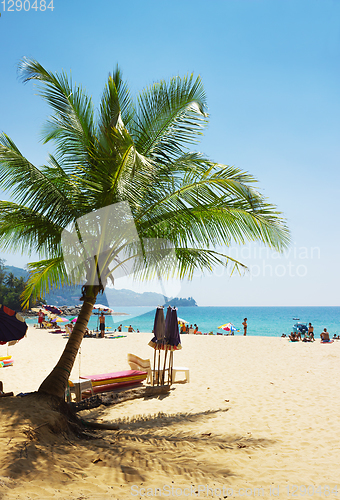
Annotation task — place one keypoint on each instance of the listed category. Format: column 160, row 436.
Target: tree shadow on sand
column 37, row 437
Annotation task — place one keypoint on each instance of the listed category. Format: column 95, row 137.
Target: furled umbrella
column 157, row 342
column 12, row 325
column 172, row 338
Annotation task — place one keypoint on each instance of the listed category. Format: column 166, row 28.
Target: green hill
column 115, row 298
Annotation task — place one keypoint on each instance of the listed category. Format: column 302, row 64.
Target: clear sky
column 271, row 70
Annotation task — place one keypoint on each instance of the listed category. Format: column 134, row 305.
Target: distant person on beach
column 294, row 337
column 245, row 326
column 102, row 325
column 120, row 328
column 130, row 329
column 324, row 335
column 311, row 331
column 41, row 317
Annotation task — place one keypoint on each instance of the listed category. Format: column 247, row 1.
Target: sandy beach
column 260, row 417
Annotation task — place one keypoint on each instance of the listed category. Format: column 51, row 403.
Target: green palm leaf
column 169, row 116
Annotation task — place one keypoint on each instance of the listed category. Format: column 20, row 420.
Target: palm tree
column 133, row 151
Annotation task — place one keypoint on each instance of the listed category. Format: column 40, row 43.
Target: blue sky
column 271, row 71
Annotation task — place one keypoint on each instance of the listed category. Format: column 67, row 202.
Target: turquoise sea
column 262, row 321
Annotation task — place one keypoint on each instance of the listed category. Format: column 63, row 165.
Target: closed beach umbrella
column 12, row 325
column 157, row 342
column 158, row 329
column 172, row 337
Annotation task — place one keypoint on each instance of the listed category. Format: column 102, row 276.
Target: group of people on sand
column 309, row 335
column 130, row 329
column 186, row 328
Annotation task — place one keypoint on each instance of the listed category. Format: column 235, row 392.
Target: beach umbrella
column 172, row 339
column 229, row 327
column 158, row 329
column 58, row 319
column 101, row 307
column 73, row 320
column 12, row 325
column 157, row 342
column 180, row 320
column 53, row 309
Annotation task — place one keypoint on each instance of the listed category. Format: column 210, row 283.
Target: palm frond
column 186, row 261
column 213, row 208
column 25, row 230
column 116, row 107
column 33, row 187
column 71, row 126
column 43, row 276
column 169, row 116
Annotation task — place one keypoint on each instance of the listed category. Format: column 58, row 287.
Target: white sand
column 257, row 413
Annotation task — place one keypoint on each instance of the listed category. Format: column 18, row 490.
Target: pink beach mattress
column 112, row 387
column 127, row 376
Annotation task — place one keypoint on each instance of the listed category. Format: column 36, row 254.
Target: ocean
column 262, row 321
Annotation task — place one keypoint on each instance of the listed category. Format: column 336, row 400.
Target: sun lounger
column 137, row 363
column 106, row 382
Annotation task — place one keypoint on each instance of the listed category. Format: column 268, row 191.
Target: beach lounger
column 106, row 382
column 137, row 363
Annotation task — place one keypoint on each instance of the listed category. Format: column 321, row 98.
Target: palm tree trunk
column 56, row 382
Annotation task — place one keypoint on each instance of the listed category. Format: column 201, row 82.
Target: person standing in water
column 245, row 326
